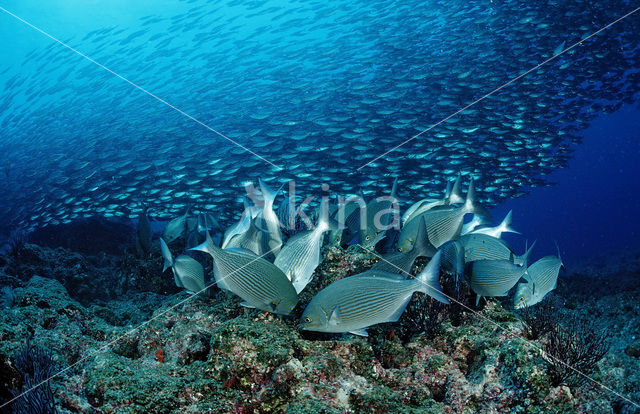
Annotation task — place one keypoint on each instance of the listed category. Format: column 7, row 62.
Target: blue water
column 593, row 209
column 327, row 74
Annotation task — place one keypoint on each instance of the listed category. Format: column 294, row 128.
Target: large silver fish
column 484, row 247
column 402, row 262
column 241, row 226
column 187, row 271
column 301, row 254
column 380, row 214
column 491, row 278
column 443, row 224
column 250, row 239
column 453, row 195
column 259, row 282
column 176, row 228
column 542, row 279
column 354, row 303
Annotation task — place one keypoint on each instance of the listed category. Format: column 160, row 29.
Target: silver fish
column 354, row 303
column 241, row 226
column 259, row 282
column 175, row 228
column 496, row 277
column 402, row 262
column 543, row 278
column 453, row 258
column 453, row 195
column 301, row 254
column 484, row 247
column 443, row 224
column 187, row 271
column 273, row 239
column 249, row 240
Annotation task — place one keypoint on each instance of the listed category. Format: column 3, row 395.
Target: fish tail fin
column 505, row 226
column 453, row 257
column 166, row 253
column 428, row 280
column 394, row 189
column 471, row 204
column 268, row 194
column 455, row 193
column 525, row 256
column 323, row 223
column 422, row 245
column 208, row 246
column 558, row 249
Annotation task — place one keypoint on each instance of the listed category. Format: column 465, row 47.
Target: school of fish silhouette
column 321, row 107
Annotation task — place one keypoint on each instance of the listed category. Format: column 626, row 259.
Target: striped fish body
column 543, row 278
column 175, row 228
column 483, row 247
column 260, row 283
column 273, row 239
column 494, row 277
column 190, row 273
column 420, row 207
column 354, row 303
column 453, row 258
column 402, row 262
column 300, row 256
column 248, row 240
column 409, row 234
column 444, row 224
column 396, row 262
column 240, row 227
column 452, row 196
column 544, row 273
column 187, row 272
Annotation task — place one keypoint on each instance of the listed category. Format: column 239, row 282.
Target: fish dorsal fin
column 335, row 318
column 360, row 332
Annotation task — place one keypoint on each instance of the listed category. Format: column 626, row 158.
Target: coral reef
column 208, row 354
column 35, row 366
column 574, row 349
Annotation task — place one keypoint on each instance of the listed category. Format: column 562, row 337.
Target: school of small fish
column 269, row 269
column 318, row 89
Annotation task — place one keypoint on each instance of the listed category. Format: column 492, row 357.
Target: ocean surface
column 113, row 113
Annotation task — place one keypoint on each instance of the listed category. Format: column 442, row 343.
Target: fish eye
column 400, row 249
column 307, row 319
column 367, row 238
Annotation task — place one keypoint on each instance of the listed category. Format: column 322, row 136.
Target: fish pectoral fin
column 360, row 332
column 246, row 305
column 335, row 318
